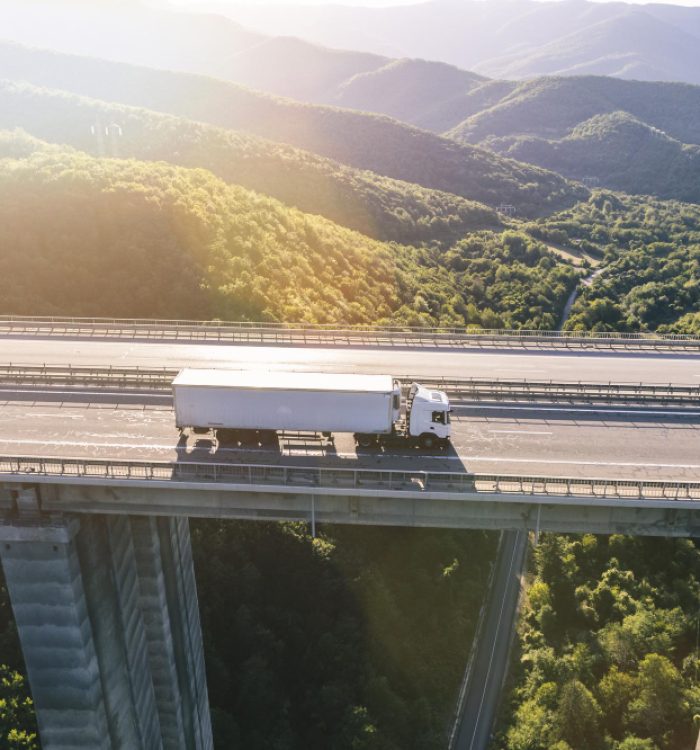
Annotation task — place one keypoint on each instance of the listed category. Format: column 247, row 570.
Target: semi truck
column 254, row 407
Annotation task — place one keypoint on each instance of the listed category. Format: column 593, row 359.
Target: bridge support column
column 49, row 601
column 106, row 610
column 171, row 613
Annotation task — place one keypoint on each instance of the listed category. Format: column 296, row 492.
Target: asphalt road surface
column 425, row 361
column 487, row 438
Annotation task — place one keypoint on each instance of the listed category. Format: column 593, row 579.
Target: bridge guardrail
column 475, row 388
column 318, row 333
column 310, row 477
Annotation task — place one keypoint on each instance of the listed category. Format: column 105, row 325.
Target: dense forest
column 608, row 647
column 358, row 641
column 634, row 136
column 650, row 277
column 80, row 231
column 609, row 149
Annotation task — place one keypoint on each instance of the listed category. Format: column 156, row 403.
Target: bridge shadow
column 339, row 452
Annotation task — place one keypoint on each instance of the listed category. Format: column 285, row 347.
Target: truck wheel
column 268, row 439
column 427, row 441
column 366, row 441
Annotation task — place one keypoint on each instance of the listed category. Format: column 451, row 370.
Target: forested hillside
column 552, row 107
column 424, row 93
column 379, row 144
column 377, row 206
column 608, row 655
column 618, row 151
column 127, row 238
column 649, row 279
column 626, row 135
column 80, row 230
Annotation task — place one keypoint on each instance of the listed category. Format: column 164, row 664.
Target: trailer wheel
column 427, row 441
column 228, row 437
column 248, row 438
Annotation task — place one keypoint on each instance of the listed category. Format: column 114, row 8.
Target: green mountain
column 126, row 238
column 618, row 151
column 364, row 141
column 635, row 136
column 100, row 236
column 649, row 251
column 552, row 107
column 377, row 206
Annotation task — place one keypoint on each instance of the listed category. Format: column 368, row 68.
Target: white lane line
column 519, row 432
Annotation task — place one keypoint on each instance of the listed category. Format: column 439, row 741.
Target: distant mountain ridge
column 504, row 38
column 532, row 120
column 379, row 207
column 637, row 136
column 552, row 106
column 382, row 145
column 618, row 151
column 212, row 45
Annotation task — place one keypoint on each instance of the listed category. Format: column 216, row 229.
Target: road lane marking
column 519, row 432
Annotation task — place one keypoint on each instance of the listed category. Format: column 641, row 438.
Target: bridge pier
column 106, row 610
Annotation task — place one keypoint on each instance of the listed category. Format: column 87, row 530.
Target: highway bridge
column 562, row 433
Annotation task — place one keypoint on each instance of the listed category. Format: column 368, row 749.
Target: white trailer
column 252, row 406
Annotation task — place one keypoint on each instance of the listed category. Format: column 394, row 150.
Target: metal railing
column 485, row 389
column 295, row 478
column 84, row 376
column 319, row 333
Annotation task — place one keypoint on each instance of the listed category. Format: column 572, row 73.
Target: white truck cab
column 428, row 416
